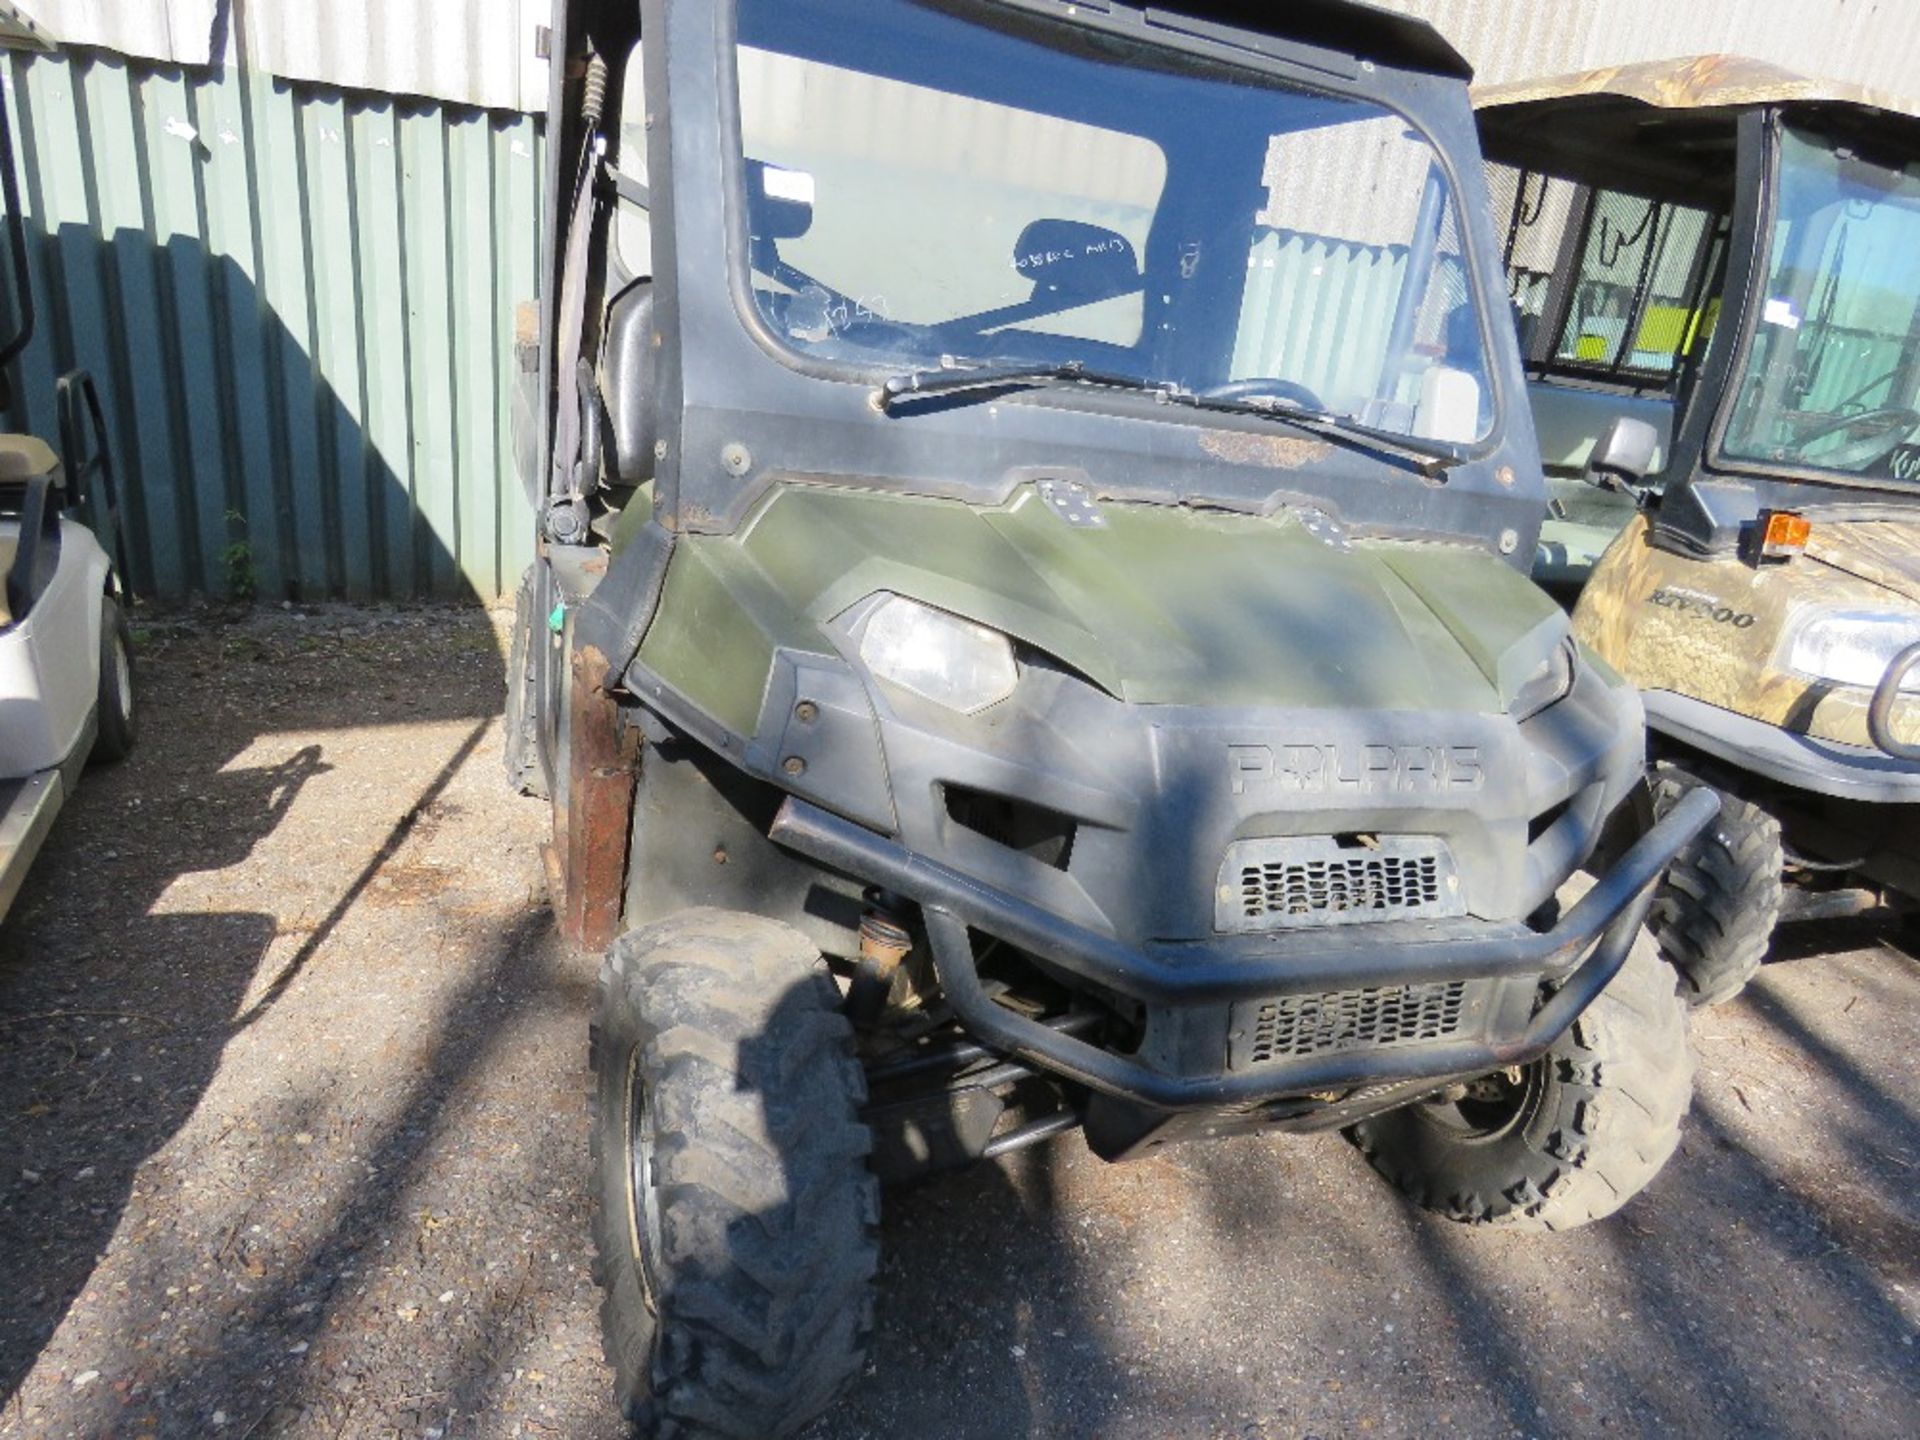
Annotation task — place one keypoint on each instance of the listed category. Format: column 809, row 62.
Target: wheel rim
column 1493, row 1105
column 123, row 677
column 643, row 1191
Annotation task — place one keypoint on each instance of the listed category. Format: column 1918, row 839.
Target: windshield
column 909, row 203
column 1829, row 381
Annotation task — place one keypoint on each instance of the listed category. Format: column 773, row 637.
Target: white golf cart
column 66, row 667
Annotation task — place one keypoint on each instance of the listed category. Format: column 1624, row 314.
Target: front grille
column 1373, row 882
column 1350, row 1020
column 1319, row 880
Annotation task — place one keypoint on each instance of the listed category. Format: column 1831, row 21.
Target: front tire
column 1715, row 911
column 1583, row 1129
column 736, row 1224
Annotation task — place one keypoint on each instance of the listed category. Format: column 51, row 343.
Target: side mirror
column 779, row 202
column 1071, row 262
column 1623, row 454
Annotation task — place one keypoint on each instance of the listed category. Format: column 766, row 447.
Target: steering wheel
column 1272, row 387
column 1883, row 429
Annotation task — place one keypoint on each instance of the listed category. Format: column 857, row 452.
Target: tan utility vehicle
column 1735, row 275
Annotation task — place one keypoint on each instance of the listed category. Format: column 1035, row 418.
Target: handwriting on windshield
column 1046, row 259
column 815, row 313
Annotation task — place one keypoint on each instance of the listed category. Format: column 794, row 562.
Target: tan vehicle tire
column 1564, row 1139
column 1715, row 911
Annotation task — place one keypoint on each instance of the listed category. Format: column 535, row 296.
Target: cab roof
column 1693, row 82
column 1354, row 27
column 1667, row 127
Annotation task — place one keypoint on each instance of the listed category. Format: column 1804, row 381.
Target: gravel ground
column 292, row 1143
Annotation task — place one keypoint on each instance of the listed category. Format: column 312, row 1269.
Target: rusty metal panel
column 298, row 304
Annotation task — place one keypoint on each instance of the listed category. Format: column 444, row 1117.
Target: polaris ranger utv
column 1759, row 303
column 1030, row 630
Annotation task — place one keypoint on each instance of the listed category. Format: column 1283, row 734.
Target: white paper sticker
column 1780, row 312
column 789, row 185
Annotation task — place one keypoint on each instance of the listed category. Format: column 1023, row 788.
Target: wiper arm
column 1001, row 375
column 1334, row 427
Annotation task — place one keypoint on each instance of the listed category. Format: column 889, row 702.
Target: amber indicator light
column 1786, row 533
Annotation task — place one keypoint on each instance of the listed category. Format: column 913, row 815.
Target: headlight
column 1851, row 647
column 1550, row 681
column 955, row 662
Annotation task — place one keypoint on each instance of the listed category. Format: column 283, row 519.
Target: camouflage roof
column 1695, row 82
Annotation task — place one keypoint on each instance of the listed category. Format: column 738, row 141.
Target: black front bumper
column 1579, row 956
column 1822, row 767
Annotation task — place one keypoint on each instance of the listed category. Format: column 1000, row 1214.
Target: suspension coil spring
column 884, row 943
column 593, row 91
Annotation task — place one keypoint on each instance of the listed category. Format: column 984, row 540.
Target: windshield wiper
column 949, row 379
column 998, row 375
column 1338, row 428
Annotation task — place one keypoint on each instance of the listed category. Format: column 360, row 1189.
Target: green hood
column 1158, row 606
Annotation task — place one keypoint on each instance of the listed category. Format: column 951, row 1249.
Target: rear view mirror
column 1623, row 454
column 1071, row 261
column 779, row 202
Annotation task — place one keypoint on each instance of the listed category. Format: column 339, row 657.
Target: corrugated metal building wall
column 298, row 303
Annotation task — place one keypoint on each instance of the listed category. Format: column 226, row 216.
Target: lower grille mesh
column 1356, row 1019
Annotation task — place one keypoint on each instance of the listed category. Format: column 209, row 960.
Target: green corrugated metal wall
column 298, row 305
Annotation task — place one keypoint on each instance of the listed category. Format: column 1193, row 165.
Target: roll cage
column 1705, row 132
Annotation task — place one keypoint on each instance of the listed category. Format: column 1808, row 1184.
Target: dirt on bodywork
column 1712, row 628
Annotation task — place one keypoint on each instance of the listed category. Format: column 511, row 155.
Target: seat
column 629, row 370
column 23, row 457
column 29, row 494
column 1568, row 418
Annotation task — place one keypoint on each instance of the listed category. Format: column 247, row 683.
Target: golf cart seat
column 22, row 457
column 29, row 525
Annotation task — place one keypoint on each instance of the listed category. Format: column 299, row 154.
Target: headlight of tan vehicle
column 1849, row 647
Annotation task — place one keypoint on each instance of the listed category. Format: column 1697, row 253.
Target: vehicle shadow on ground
column 116, row 1002
column 1709, row 1286
column 1009, row 1291
column 980, row 1304
column 282, row 1345
column 116, row 1007
column 94, row 1074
